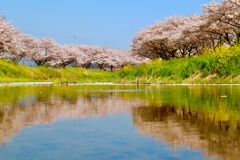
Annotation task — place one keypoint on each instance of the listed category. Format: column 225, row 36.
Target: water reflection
column 187, row 129
column 186, row 117
column 38, row 108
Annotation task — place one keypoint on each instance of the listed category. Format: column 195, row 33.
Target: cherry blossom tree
column 176, row 36
column 224, row 20
column 111, row 58
column 69, row 55
column 159, row 40
column 116, row 58
column 15, row 45
column 83, row 57
column 5, row 34
column 64, row 55
column 48, row 49
column 104, row 57
column 8, row 35
column 191, row 38
column 87, row 55
column 99, row 56
column 179, row 36
column 23, row 46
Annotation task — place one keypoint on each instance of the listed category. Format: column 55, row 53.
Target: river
column 119, row 122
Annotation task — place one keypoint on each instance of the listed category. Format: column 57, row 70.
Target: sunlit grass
column 219, row 65
column 10, row 72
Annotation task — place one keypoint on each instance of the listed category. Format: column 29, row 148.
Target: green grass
column 11, row 72
column 219, row 65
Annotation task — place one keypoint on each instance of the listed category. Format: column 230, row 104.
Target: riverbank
column 214, row 66
column 11, row 72
column 109, row 83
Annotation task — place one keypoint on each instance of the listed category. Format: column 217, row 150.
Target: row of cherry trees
column 14, row 45
column 179, row 36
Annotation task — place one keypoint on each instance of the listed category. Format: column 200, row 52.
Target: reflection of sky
column 109, row 137
column 26, row 101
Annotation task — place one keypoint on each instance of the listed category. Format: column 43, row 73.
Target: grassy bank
column 11, row 72
column 220, row 65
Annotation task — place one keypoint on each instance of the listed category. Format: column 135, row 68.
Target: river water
column 119, row 122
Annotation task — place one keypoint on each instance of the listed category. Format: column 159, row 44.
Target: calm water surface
column 119, row 122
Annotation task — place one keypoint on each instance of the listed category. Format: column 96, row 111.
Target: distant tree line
column 15, row 45
column 179, row 36
column 175, row 37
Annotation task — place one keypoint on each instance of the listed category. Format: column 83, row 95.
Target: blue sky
column 111, row 23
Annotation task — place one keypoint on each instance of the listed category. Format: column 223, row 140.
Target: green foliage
column 11, row 72
column 214, row 66
column 223, row 60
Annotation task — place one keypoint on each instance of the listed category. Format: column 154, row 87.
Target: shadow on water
column 196, row 117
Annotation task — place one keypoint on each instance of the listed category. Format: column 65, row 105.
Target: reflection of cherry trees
column 179, row 126
column 15, row 45
column 30, row 110
column 179, row 36
column 189, row 129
